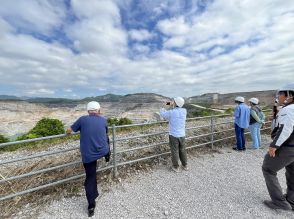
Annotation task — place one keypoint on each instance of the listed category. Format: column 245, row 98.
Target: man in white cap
column 242, row 117
column 94, row 144
column 177, row 123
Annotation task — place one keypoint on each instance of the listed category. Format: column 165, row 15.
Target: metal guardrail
column 211, row 133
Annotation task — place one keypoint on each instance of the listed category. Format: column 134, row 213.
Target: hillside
column 266, row 97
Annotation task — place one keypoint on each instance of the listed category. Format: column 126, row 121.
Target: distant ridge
column 266, row 97
column 9, row 97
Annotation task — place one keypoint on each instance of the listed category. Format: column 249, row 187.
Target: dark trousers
column 91, row 182
column 240, row 137
column 178, row 150
column 271, row 165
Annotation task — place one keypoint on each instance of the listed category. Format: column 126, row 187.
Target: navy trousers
column 240, row 137
column 91, row 182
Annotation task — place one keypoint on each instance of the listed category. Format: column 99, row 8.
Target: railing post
column 212, row 130
column 114, row 150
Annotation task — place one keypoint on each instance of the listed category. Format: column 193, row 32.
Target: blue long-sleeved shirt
column 242, row 115
column 94, row 139
column 177, row 121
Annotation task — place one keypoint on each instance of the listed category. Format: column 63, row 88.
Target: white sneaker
column 186, row 168
column 176, row 169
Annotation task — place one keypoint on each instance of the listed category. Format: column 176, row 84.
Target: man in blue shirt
column 94, row 144
column 242, row 118
column 177, row 122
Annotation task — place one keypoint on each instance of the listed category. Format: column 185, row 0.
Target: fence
column 127, row 146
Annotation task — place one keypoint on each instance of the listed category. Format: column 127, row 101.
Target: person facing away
column 242, row 115
column 176, row 116
column 281, row 153
column 256, row 120
column 94, row 144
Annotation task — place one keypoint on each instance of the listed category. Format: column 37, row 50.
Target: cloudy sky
column 78, row 48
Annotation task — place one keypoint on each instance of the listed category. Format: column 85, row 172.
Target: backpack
column 261, row 115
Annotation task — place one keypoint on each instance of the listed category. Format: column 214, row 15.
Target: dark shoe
column 91, row 212
column 91, row 209
column 237, row 149
column 290, row 202
column 273, row 206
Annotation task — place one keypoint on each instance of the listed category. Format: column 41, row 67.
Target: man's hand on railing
column 68, row 131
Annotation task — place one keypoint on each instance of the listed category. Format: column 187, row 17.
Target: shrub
column 112, row 121
column 3, row 139
column 45, row 127
column 121, row 121
column 124, row 121
column 229, row 111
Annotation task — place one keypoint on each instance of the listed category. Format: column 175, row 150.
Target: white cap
column 240, row 99
column 179, row 101
column 254, row 100
column 93, row 105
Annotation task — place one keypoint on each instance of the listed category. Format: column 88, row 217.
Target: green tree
column 3, row 139
column 44, row 127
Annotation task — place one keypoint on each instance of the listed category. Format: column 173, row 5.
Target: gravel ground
column 228, row 184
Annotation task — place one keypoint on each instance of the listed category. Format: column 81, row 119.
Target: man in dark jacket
column 94, row 144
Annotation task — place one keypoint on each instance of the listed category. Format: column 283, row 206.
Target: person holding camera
column 176, row 116
column 94, row 144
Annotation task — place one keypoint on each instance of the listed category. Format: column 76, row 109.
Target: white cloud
column 98, row 29
column 174, row 26
column 230, row 46
column 33, row 15
column 140, row 35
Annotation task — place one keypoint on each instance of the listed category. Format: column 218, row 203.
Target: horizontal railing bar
column 143, row 147
column 198, row 145
column 196, row 127
column 157, row 155
column 31, row 140
column 141, row 136
column 197, row 136
column 37, row 155
column 141, row 159
column 222, row 123
column 224, row 131
column 39, row 171
column 50, row 184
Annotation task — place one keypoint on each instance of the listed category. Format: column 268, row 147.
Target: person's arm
column 286, row 124
column 75, row 127
column 255, row 116
column 164, row 113
column 237, row 112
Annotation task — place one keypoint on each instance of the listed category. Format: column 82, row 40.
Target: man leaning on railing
column 94, row 144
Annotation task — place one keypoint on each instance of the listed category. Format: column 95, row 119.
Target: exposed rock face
column 18, row 117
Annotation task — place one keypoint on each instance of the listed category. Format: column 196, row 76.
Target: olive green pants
column 178, row 150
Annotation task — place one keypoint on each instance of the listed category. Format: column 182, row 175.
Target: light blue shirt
column 177, row 121
column 242, row 115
